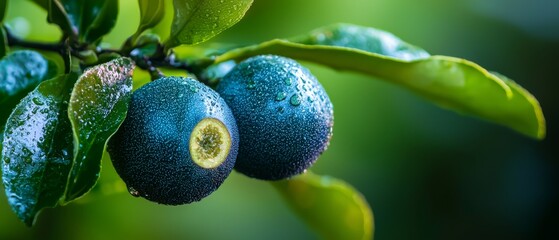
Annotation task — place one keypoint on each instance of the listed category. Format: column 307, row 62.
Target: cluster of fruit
column 268, row 118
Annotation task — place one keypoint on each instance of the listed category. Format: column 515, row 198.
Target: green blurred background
column 427, row 173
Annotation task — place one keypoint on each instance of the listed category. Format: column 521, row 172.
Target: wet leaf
column 21, row 72
column 151, row 13
column 86, row 20
column 363, row 38
column 196, row 21
column 451, row 83
column 97, row 107
column 330, row 206
column 37, row 148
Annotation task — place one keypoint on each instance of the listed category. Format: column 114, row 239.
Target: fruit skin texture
column 284, row 116
column 150, row 151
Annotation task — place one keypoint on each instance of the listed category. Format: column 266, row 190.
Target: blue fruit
column 178, row 142
column 284, row 116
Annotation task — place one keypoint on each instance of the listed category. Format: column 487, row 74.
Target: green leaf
column 3, row 7
column 451, row 83
column 362, row 38
column 86, row 20
column 37, row 148
column 151, row 13
column 42, row 3
column 21, row 72
column 330, row 206
column 97, row 107
column 3, row 43
column 196, row 21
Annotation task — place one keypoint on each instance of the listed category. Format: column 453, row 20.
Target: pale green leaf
column 330, row 206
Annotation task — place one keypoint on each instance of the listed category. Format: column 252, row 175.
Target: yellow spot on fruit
column 210, row 143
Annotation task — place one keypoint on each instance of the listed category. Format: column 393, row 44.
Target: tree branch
column 15, row 41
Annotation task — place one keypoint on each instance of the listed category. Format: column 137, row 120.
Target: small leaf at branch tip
column 198, row 21
column 87, row 21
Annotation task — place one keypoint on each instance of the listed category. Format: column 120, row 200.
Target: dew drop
column 65, row 153
column 37, row 101
column 133, row 192
column 281, row 96
column 251, row 84
column 288, row 81
column 294, row 100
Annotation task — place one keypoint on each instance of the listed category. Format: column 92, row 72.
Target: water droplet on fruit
column 251, row 84
column 194, row 89
column 294, row 100
column 288, row 81
column 281, row 96
column 133, row 192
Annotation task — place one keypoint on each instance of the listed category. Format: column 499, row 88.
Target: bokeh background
column 428, row 173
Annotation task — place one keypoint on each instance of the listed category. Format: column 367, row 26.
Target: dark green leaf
column 196, row 21
column 452, row 83
column 98, row 106
column 3, row 7
column 330, row 206
column 3, row 43
column 102, row 18
column 21, row 72
column 151, row 12
column 58, row 15
column 37, row 153
column 87, row 20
